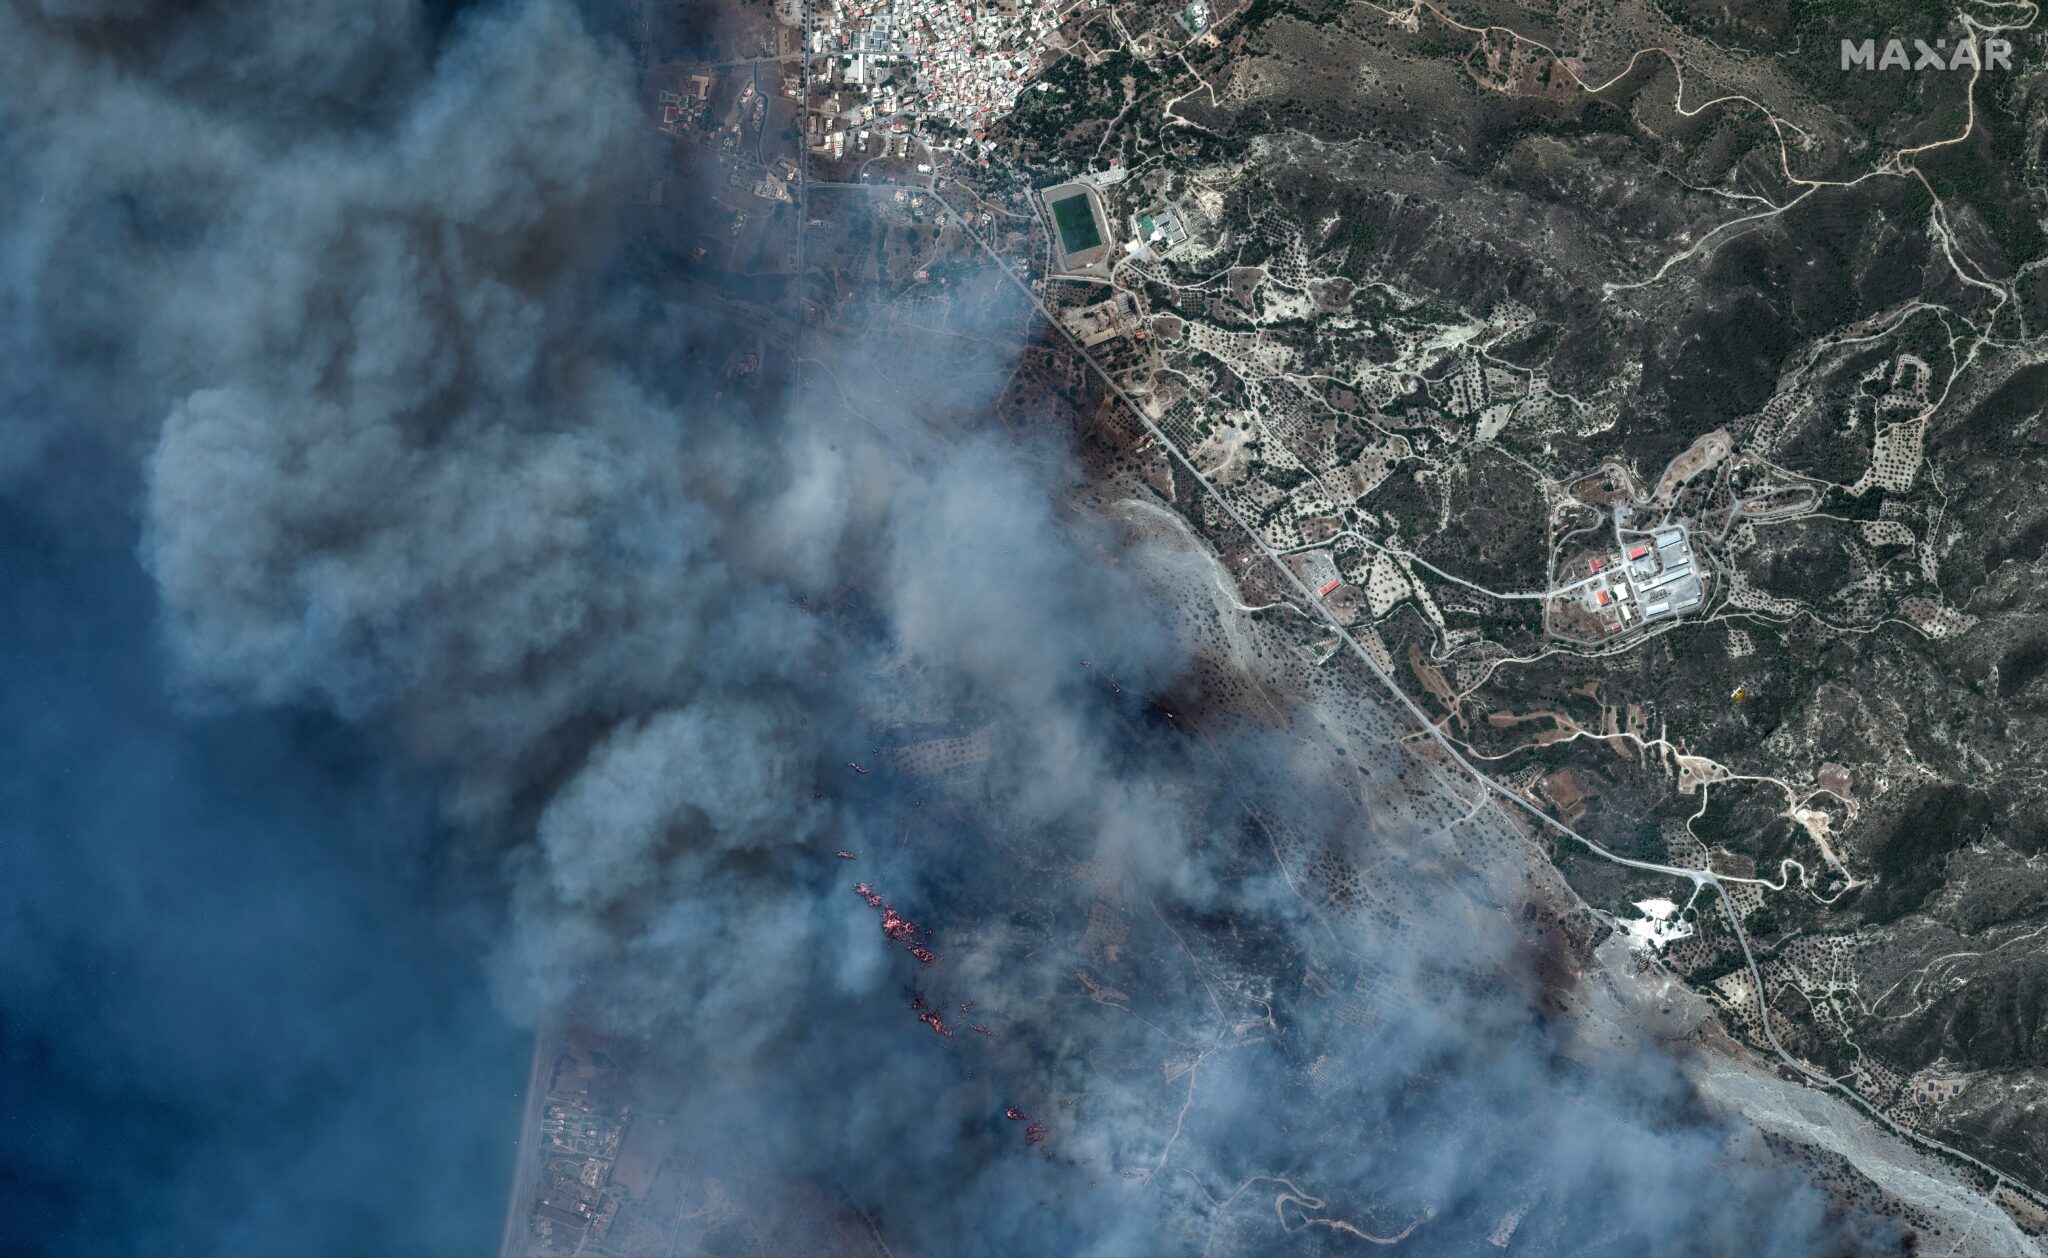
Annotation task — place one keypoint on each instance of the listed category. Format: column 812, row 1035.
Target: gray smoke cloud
column 416, row 452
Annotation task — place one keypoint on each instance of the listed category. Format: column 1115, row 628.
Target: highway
column 1698, row 877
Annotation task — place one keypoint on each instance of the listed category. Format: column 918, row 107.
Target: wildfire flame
column 927, row 1015
column 895, row 925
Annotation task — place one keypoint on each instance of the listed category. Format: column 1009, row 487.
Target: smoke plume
column 420, row 460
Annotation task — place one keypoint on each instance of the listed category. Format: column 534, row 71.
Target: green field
column 1077, row 224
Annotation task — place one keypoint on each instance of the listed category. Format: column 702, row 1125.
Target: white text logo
column 1996, row 55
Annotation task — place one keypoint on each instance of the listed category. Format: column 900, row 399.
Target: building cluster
column 679, row 110
column 1653, row 576
column 581, row 1127
column 966, row 63
column 1156, row 231
column 847, row 117
column 1113, row 317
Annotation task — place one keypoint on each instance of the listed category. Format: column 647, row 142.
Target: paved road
column 1698, row 877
